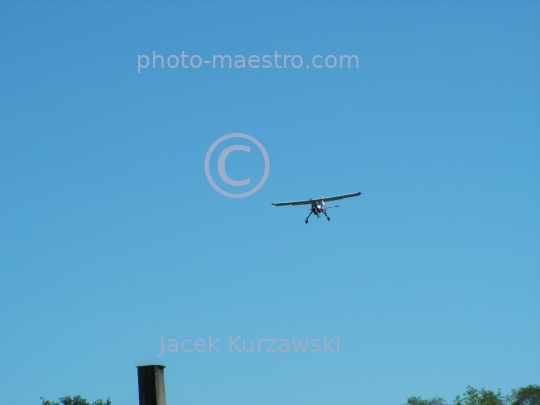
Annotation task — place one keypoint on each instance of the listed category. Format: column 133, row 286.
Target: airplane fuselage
column 317, row 207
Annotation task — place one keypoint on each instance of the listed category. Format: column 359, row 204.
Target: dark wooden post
column 151, row 385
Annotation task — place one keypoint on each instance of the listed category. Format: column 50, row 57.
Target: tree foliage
column 420, row 401
column 76, row 400
column 529, row 395
column 480, row 397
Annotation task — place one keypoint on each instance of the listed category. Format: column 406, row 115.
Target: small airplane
column 318, row 206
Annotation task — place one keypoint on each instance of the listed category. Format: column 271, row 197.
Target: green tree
column 76, row 400
column 480, row 397
column 420, row 401
column 529, row 395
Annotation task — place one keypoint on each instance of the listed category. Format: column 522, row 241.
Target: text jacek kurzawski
column 239, row 344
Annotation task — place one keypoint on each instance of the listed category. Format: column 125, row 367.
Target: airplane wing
column 337, row 197
column 293, row 203
column 341, row 197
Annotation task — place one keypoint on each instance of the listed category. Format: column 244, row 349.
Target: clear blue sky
column 111, row 236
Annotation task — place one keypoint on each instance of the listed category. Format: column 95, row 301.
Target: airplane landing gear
column 310, row 212
column 327, row 217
